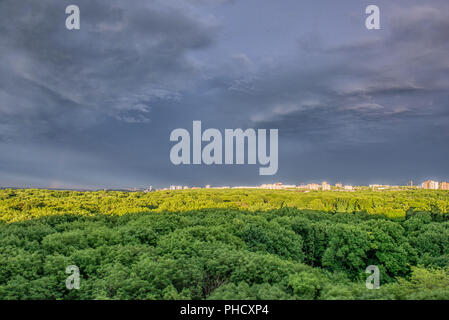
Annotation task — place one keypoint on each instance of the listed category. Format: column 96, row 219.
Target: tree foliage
column 223, row 244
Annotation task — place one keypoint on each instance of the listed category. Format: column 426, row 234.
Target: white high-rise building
column 434, row 184
column 430, row 184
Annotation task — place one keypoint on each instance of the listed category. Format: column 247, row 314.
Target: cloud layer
column 94, row 107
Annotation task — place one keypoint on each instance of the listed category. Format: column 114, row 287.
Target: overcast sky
column 94, row 107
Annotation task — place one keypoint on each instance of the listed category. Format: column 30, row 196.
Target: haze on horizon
column 94, row 108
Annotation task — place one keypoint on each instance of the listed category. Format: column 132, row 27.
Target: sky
column 94, row 108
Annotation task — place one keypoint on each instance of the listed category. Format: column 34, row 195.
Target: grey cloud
column 122, row 57
column 95, row 107
column 380, row 71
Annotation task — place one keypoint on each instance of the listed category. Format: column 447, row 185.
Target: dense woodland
column 224, row 244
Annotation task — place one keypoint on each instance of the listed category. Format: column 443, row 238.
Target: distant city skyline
column 94, row 108
column 323, row 186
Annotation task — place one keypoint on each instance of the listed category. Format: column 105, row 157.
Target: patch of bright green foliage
column 224, row 244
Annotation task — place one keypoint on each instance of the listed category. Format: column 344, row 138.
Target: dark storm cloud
column 379, row 83
column 69, row 99
column 95, row 107
column 365, row 97
column 122, row 60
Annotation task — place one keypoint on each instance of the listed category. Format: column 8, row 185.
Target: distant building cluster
column 382, row 187
column 324, row 186
column 277, row 185
column 435, row 185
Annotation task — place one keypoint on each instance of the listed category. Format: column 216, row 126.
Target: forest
column 224, row 244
